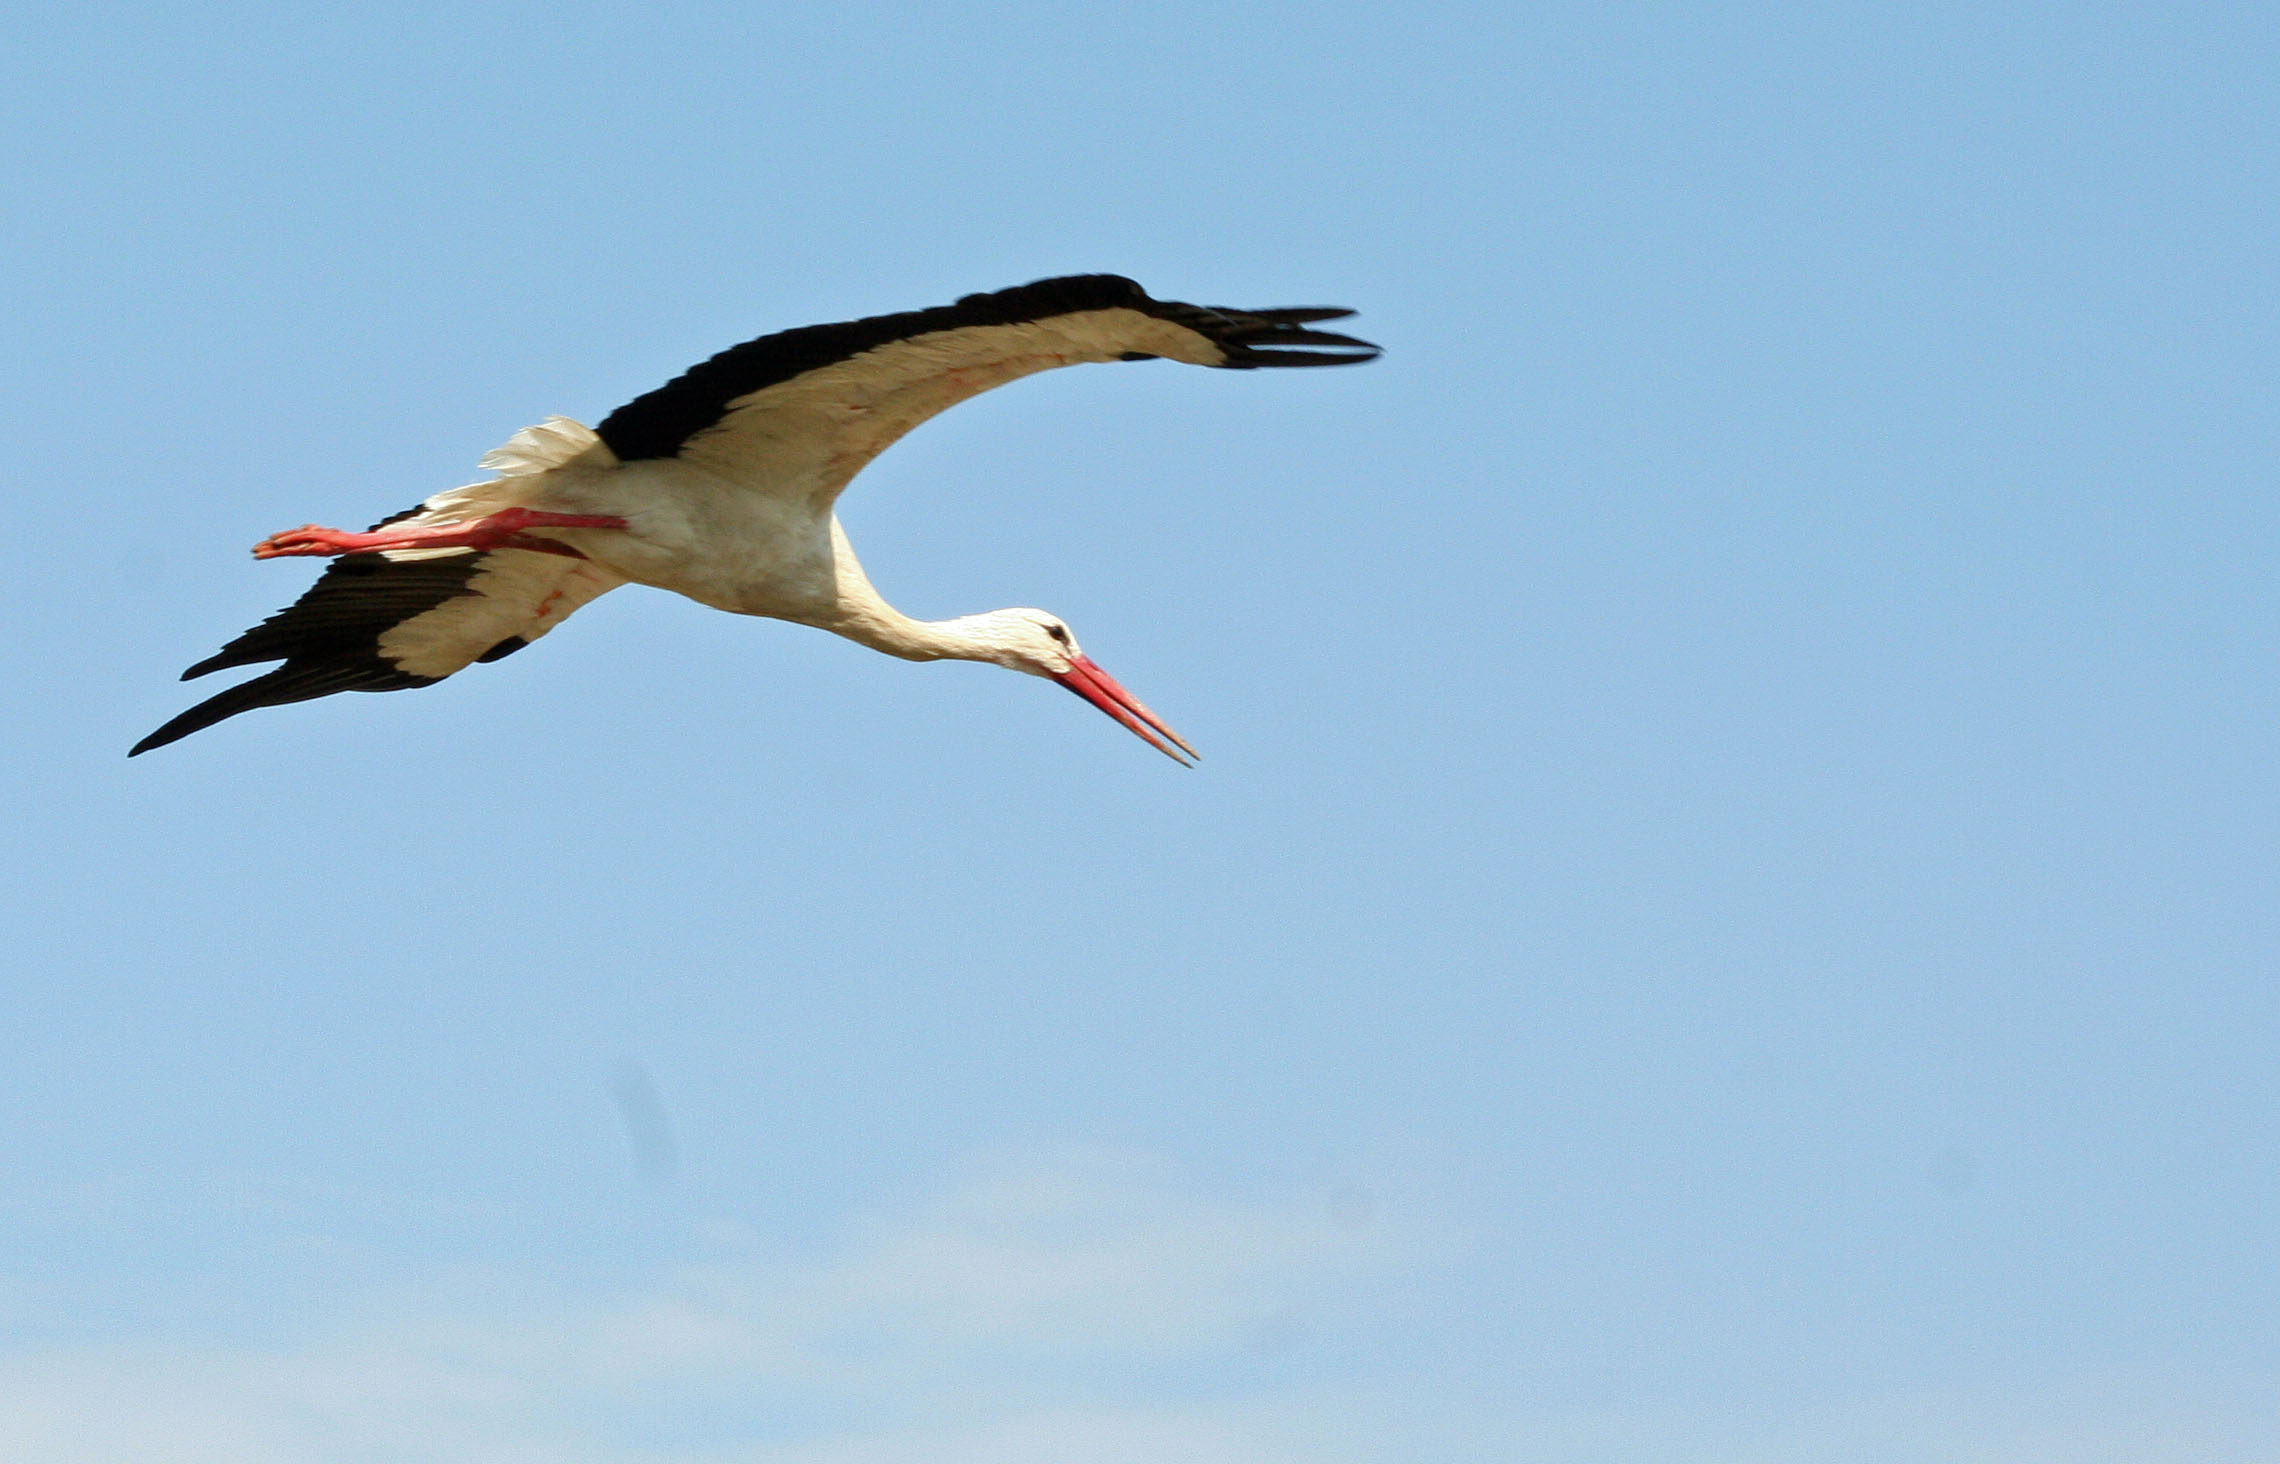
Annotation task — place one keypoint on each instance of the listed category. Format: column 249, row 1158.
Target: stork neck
column 863, row 615
column 884, row 628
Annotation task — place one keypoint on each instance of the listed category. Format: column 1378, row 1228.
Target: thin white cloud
column 1089, row 1257
column 1030, row 1317
column 1063, row 1436
column 985, row 1324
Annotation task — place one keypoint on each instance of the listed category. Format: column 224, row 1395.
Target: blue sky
column 1729, row 909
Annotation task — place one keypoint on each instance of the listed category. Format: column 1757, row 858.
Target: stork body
column 720, row 486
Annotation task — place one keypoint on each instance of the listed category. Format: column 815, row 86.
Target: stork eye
column 1059, row 633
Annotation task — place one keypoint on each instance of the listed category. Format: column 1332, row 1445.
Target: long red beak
column 1100, row 688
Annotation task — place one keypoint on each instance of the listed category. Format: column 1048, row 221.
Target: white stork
column 720, row 485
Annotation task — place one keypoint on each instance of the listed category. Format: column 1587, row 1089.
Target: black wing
column 375, row 623
column 958, row 338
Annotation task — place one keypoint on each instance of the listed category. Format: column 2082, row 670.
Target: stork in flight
column 719, row 485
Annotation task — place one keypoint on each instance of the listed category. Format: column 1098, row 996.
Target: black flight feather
column 329, row 639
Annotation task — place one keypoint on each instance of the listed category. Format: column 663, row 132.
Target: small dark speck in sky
column 647, row 1127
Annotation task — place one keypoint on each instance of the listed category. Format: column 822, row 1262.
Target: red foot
column 501, row 530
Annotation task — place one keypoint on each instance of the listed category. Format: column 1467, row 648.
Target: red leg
column 502, row 530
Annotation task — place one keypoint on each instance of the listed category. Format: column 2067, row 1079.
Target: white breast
column 693, row 532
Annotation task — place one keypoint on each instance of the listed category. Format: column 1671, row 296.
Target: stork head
column 1039, row 643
